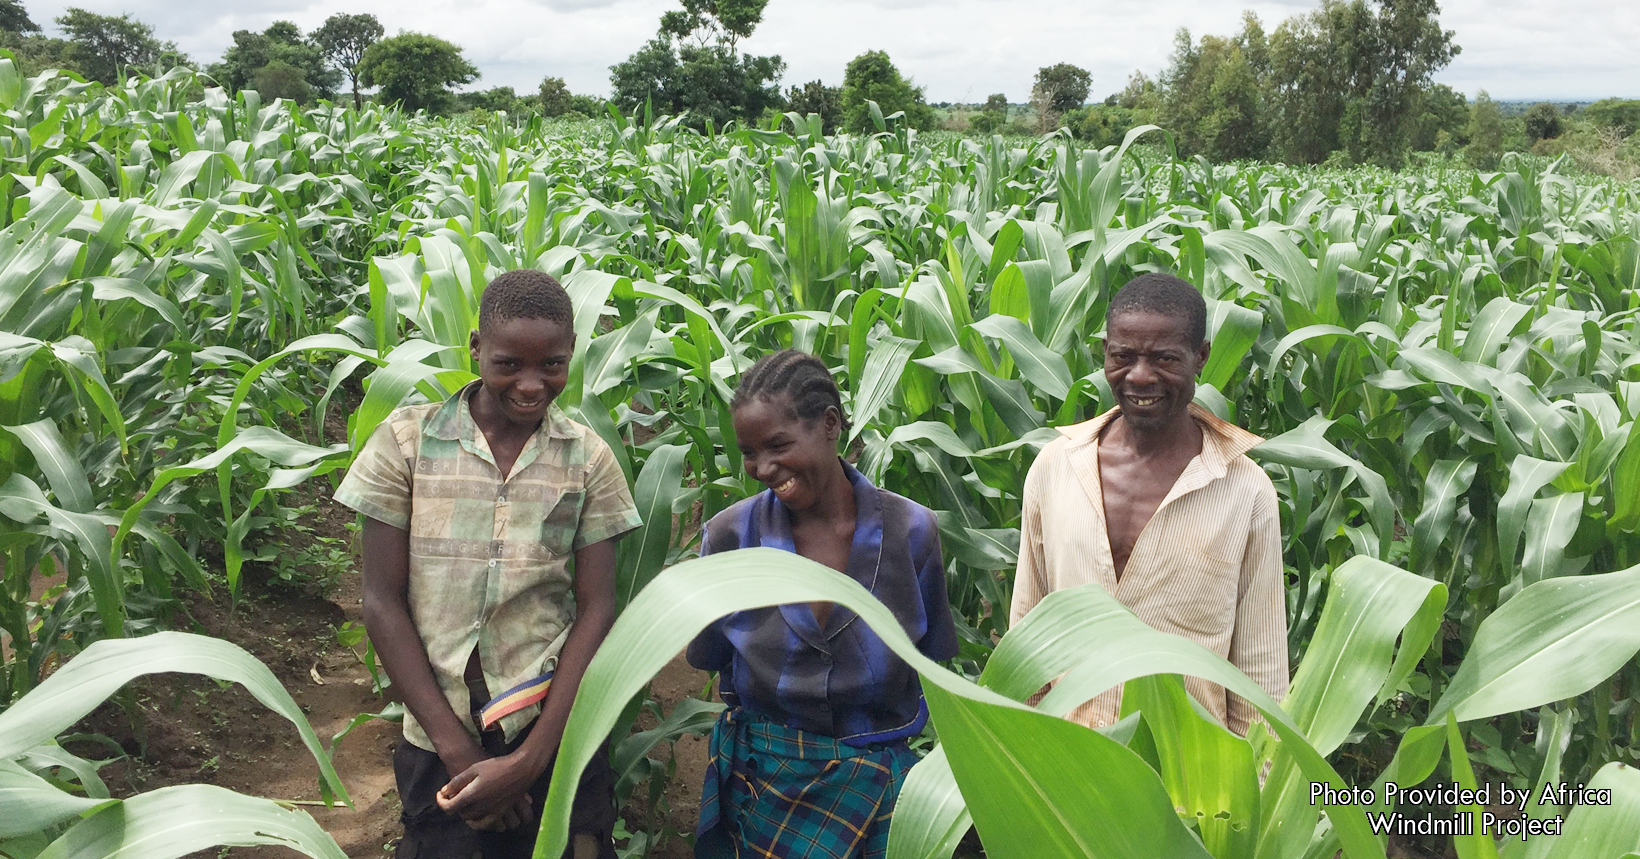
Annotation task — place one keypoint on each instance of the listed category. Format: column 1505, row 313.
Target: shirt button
column 493, row 562
column 825, row 657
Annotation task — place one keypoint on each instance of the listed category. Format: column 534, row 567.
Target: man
column 1157, row 502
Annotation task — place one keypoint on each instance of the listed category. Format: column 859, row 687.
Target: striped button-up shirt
column 839, row 680
column 489, row 554
column 1207, row 566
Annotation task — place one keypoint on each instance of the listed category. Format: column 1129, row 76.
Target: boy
column 473, row 508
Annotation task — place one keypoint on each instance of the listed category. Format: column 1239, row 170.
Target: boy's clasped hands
column 489, row 793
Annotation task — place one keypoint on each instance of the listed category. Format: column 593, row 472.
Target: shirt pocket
column 1201, row 599
column 562, row 521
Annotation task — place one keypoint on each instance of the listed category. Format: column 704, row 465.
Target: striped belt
column 529, row 692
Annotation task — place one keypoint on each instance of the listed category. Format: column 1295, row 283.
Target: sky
column 958, row 50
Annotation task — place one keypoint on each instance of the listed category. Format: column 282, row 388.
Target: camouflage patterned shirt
column 489, row 555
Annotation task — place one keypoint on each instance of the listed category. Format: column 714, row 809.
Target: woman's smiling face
column 795, row 458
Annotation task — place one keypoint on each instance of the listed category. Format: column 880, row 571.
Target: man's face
column 1151, row 366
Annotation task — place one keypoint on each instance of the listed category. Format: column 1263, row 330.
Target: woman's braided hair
column 798, row 375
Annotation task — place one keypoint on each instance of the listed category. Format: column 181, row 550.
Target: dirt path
column 192, row 730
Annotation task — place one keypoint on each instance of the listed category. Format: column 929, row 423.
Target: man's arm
column 490, row 787
column 1031, row 577
column 1258, row 644
column 398, row 644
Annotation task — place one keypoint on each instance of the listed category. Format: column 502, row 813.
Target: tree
column 693, row 66
column 1620, row 115
column 1058, row 88
column 492, row 100
column 1351, row 75
column 299, row 69
column 14, row 18
column 817, row 98
column 343, row 39
column 1542, row 122
column 415, row 71
column 1215, row 99
column 102, row 46
column 1485, row 133
column 1442, row 120
column 720, row 22
column 873, row 77
column 555, row 97
column 279, row 79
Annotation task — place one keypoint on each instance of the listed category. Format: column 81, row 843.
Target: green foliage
column 501, row 98
column 1543, row 122
column 1183, row 785
column 14, row 18
column 817, row 98
column 1442, row 120
column 1350, row 75
column 57, row 806
column 1058, row 88
column 104, row 47
column 1214, row 100
column 555, row 97
column 720, row 22
column 1621, row 115
column 278, row 63
column 1102, row 125
column 872, row 77
column 1485, row 133
column 692, row 68
column 415, row 71
column 343, row 39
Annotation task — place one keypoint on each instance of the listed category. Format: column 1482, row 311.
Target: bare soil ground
column 191, row 729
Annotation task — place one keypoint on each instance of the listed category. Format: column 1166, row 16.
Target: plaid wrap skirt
column 774, row 792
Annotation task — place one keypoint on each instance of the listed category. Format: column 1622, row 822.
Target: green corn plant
column 1167, row 780
column 57, row 806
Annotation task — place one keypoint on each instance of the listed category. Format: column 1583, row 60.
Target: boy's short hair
column 525, row 293
column 1163, row 295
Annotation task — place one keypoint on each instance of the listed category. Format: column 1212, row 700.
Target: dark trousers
column 429, row 833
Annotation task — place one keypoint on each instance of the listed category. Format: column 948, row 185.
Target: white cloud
column 960, row 50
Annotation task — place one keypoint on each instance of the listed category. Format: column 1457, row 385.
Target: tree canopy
column 415, row 71
column 817, row 98
column 872, row 77
column 14, row 18
column 343, row 39
column 101, row 46
column 693, row 66
column 278, row 62
column 1061, row 86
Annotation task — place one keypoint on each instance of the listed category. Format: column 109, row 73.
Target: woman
column 809, row 757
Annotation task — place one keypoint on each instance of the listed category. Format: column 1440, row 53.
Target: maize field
column 1444, row 364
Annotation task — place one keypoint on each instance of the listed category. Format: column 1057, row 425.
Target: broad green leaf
column 1555, row 639
column 62, row 470
column 102, row 668
column 1594, row 831
column 1042, row 368
column 177, row 821
column 930, row 816
column 657, row 486
column 1038, row 785
column 33, row 804
column 1209, row 772
column 884, row 366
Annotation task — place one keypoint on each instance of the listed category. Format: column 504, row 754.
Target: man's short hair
column 525, row 293
column 1163, row 295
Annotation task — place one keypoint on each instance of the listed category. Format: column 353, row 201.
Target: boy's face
column 524, row 365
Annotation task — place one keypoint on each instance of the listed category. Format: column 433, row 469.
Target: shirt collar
column 1222, row 441
column 454, row 420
